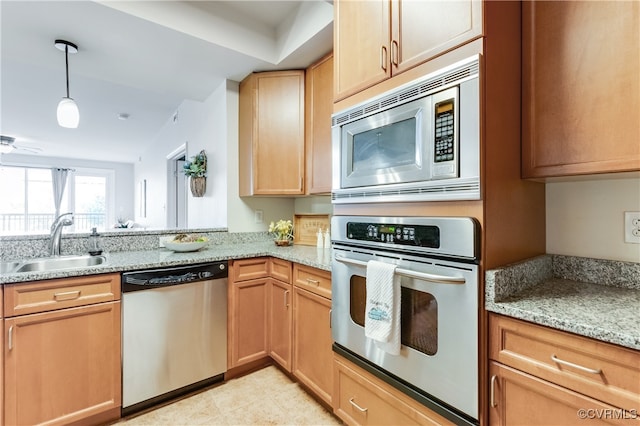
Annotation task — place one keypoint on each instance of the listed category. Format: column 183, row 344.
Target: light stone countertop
column 589, row 297
column 123, row 261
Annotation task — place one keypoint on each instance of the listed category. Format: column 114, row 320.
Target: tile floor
column 265, row 397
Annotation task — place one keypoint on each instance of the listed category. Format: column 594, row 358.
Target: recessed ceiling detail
column 161, row 54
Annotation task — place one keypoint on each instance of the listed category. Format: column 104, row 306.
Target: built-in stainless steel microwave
column 419, row 142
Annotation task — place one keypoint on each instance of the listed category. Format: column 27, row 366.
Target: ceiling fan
column 7, row 145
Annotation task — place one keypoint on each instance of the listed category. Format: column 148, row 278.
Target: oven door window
column 418, row 315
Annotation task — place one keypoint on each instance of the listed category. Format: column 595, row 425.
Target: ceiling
column 141, row 58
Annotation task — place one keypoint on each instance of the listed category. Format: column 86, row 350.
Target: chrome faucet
column 56, row 232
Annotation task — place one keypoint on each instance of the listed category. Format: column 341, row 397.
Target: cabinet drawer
column 41, row 296
column 314, row 280
column 518, row 397
column 280, row 270
column 597, row 369
column 249, row 269
column 362, row 399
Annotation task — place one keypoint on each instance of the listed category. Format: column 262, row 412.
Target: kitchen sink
column 8, row 267
column 53, row 263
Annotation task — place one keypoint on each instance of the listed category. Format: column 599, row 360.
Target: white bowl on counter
column 185, row 247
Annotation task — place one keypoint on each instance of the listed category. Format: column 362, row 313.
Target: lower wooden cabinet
column 362, row 399
column 248, row 338
column 280, row 321
column 312, row 352
column 62, row 344
column 282, row 310
column 542, row 376
column 63, row 366
column 518, row 398
column 1, row 362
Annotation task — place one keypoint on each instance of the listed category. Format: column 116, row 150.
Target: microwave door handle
column 433, row 278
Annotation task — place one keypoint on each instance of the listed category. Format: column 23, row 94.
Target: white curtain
column 59, row 181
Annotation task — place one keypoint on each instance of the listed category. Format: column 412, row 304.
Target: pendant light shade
column 68, row 113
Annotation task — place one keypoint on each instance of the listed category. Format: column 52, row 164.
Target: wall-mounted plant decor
column 196, row 169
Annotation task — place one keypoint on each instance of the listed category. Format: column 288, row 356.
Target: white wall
column 201, row 126
column 585, row 218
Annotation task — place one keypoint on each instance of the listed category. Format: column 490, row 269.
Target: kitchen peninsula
column 147, row 254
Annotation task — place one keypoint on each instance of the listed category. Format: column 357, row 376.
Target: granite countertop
column 146, row 259
column 589, row 297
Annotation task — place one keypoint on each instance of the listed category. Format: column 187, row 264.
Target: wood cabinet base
column 63, row 366
column 359, row 398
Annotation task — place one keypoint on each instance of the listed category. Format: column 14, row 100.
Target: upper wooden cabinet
column 581, row 88
column 319, row 106
column 271, row 133
column 374, row 40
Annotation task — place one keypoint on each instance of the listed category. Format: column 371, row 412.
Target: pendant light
column 68, row 113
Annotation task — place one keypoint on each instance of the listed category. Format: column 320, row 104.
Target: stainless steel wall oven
column 437, row 261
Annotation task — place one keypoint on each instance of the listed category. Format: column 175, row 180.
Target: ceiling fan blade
column 33, row 150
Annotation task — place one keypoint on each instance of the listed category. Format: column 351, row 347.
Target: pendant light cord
column 66, row 57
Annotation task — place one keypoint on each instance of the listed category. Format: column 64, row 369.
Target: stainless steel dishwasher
column 174, row 332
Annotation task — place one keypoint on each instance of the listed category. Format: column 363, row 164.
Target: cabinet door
column 280, row 318
column 312, row 353
column 424, row 29
column 581, row 91
column 248, row 331
column 319, row 93
column 63, row 366
column 361, row 41
column 272, row 133
column 518, row 398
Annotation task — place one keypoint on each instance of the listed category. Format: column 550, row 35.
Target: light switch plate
column 632, row 227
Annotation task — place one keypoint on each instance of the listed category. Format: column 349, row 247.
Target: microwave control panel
column 444, row 131
column 411, row 235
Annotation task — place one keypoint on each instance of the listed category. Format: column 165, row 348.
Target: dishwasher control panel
column 141, row 280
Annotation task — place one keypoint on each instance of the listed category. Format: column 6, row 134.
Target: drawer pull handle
column 359, row 408
column 313, row 282
column 383, row 58
column 67, row 295
column 576, row 366
column 493, row 392
column 10, row 339
column 286, row 298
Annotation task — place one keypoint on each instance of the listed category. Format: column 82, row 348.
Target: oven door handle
column 433, row 278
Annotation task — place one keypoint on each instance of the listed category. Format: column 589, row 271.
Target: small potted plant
column 196, row 169
column 282, row 232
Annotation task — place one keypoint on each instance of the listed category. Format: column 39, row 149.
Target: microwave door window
column 386, row 147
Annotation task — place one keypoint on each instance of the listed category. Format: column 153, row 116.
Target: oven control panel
column 411, row 235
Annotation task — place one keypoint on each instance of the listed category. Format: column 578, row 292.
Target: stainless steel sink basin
column 61, row 262
column 8, row 267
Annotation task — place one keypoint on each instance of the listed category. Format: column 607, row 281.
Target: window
column 28, row 205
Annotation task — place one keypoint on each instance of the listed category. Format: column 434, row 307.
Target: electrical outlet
column 632, row 227
column 257, row 217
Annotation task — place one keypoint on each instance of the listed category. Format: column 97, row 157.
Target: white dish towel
column 382, row 309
